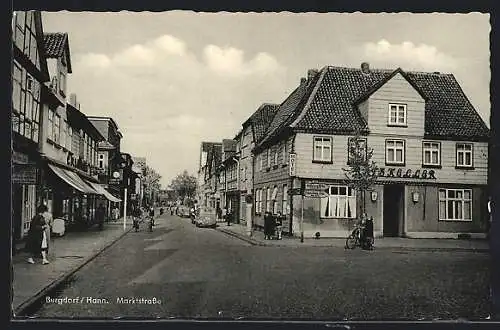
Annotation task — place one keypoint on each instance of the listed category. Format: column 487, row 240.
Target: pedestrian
column 490, row 217
column 268, row 218
column 152, row 215
column 49, row 220
column 229, row 215
column 37, row 242
column 100, row 214
column 224, row 213
column 219, row 212
column 279, row 225
column 116, row 213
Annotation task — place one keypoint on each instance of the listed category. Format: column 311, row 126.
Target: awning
column 73, row 180
column 104, row 192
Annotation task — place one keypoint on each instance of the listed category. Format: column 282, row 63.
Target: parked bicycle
column 360, row 238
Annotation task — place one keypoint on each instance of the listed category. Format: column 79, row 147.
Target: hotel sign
column 402, row 173
column 292, row 162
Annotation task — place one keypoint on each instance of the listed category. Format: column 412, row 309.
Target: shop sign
column 292, row 162
column 24, row 173
column 407, row 173
column 116, row 177
column 315, row 189
column 19, row 158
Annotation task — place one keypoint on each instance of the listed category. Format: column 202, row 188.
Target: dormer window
column 397, row 115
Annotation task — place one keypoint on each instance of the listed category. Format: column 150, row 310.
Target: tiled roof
column 290, row 108
column 332, row 108
column 261, row 120
column 55, row 43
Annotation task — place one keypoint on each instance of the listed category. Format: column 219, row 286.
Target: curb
column 24, row 306
column 241, row 237
column 400, row 248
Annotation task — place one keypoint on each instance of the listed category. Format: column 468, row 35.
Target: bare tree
column 184, row 185
column 362, row 171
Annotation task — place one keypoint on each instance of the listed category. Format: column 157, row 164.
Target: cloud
column 167, row 99
column 409, row 56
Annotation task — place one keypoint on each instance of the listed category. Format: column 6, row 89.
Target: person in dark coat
column 37, row 242
column 100, row 215
column 268, row 224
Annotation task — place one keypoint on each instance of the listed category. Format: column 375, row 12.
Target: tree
column 151, row 182
column 184, row 184
column 362, row 171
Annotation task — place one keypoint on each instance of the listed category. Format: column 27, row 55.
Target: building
column 228, row 178
column 252, row 132
column 428, row 141
column 212, row 181
column 139, row 168
column 29, row 75
column 203, row 186
column 108, row 156
column 271, row 177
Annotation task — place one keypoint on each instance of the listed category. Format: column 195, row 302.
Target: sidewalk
column 257, row 238
column 67, row 254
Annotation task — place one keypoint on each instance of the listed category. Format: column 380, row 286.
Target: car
column 206, row 218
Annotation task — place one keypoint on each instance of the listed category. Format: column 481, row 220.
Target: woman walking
column 37, row 236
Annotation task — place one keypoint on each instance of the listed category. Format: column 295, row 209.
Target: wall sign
column 391, row 172
column 292, row 162
column 24, row 173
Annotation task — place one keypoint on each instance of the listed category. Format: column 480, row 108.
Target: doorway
column 393, row 210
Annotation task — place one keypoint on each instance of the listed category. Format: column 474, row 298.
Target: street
column 180, row 271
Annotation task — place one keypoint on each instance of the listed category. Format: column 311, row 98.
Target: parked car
column 206, row 218
column 184, row 211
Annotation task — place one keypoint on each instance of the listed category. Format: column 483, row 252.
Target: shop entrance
column 393, row 210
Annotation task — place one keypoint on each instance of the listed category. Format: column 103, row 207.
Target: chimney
column 365, row 68
column 303, row 81
column 311, row 73
column 72, row 100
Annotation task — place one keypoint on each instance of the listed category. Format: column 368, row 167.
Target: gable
column 397, row 88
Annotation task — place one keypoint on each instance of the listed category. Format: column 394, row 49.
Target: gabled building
column 429, row 143
column 252, row 132
column 29, row 75
column 203, row 186
column 228, row 178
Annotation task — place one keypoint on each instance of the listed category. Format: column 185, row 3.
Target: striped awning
column 104, row 192
column 72, row 179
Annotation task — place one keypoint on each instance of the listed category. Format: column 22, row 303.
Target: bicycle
column 355, row 239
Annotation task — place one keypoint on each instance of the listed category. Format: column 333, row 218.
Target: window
column 431, row 152
column 455, row 204
column 258, row 201
column 17, row 73
column 274, row 198
column 397, row 114
column 51, row 125
column 322, row 149
column 268, row 200
column 62, row 83
column 464, row 154
column 268, row 160
column 275, row 160
column 356, row 151
column 340, row 203
column 57, row 127
column 284, row 160
column 101, row 161
column 243, row 174
column 63, row 133
column 70, row 139
column 395, row 152
column 261, row 163
column 284, row 204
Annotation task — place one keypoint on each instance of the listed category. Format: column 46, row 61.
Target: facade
column 208, row 180
column 139, row 166
column 272, row 180
column 228, row 178
column 29, row 75
column 253, row 130
column 428, row 141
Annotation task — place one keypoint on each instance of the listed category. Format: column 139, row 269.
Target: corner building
column 428, row 140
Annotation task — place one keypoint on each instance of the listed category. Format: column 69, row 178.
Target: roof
column 56, row 43
column 77, row 119
column 261, row 119
column 332, row 107
column 214, row 154
column 288, row 110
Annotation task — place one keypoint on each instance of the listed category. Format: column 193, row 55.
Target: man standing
column 100, row 215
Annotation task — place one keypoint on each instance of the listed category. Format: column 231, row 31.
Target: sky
column 174, row 79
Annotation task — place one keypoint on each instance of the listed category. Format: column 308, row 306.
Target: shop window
column 395, row 152
column 340, row 203
column 455, row 204
column 397, row 115
column 464, row 154
column 431, row 153
column 322, row 149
